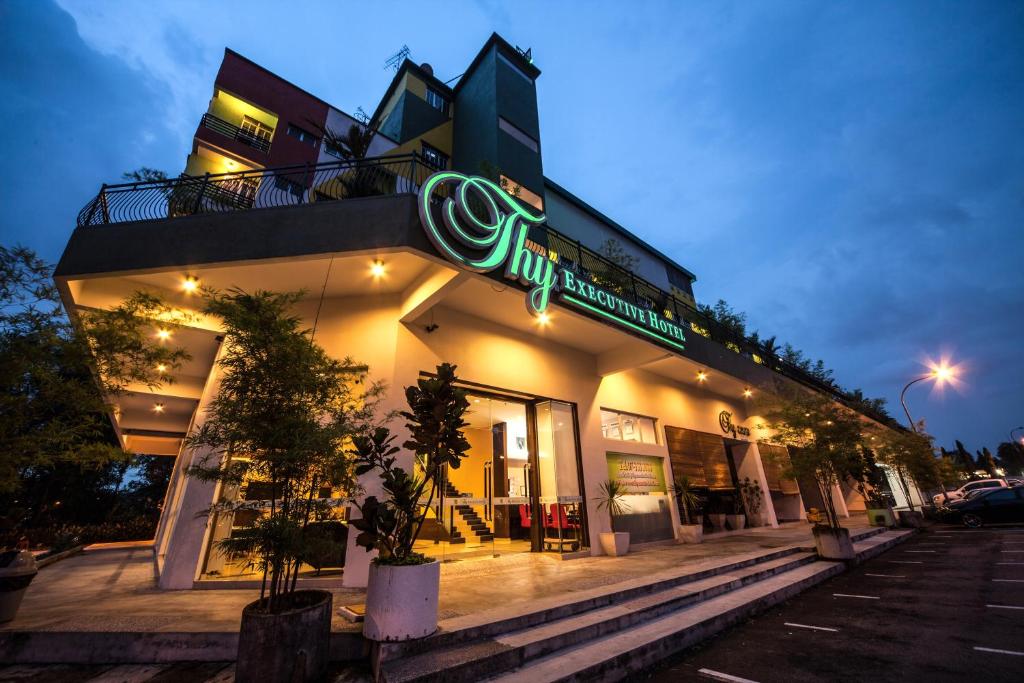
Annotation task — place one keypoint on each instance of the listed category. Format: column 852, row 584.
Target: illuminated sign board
column 730, row 427
column 637, row 473
column 494, row 234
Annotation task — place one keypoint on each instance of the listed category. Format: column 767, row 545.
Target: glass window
column 302, row 135
column 434, row 157
column 1001, row 496
column 436, row 100
column 628, row 427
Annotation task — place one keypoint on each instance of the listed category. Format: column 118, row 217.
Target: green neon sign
column 484, row 244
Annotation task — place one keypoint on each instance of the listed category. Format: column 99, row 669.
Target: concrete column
column 839, row 501
column 187, row 528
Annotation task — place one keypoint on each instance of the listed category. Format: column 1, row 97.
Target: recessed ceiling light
column 158, row 407
column 377, row 268
column 163, row 335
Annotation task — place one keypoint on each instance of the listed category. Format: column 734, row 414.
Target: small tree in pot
column 749, row 501
column 910, row 456
column 692, row 529
column 402, row 592
column 824, row 440
column 612, row 498
column 282, row 415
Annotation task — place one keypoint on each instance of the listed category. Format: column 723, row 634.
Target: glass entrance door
column 558, row 501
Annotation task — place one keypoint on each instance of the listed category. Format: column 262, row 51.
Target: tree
column 824, row 439
column 59, row 380
column 290, row 410
column 986, row 462
column 910, row 456
column 964, row 459
column 435, row 423
column 353, row 145
column 724, row 315
column 1011, row 458
column 144, row 174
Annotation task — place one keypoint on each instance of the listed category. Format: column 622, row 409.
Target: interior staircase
column 468, row 520
column 612, row 632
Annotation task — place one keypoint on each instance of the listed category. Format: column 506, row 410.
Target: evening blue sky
column 849, row 174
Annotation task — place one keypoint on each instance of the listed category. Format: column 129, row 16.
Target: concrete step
column 617, row 656
column 475, row 660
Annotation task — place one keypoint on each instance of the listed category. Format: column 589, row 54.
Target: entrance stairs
column 612, row 632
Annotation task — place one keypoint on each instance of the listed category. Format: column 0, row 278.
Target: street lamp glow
column 942, row 373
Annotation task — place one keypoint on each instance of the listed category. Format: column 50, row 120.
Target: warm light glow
column 543, row 319
column 377, row 269
column 190, row 284
column 747, row 393
column 161, row 368
column 702, row 376
column 158, row 407
column 828, row 422
column 163, row 335
column 942, row 373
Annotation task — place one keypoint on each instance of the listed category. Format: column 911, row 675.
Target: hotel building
column 580, row 345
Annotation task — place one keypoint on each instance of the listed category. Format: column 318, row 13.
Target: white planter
column 615, row 543
column 691, row 533
column 833, row 544
column 401, row 602
column 717, row 520
column 736, row 522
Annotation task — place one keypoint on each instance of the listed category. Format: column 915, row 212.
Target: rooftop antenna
column 395, row 60
column 527, row 54
column 362, row 116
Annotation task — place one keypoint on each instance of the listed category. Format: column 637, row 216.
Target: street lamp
column 1014, row 440
column 940, row 374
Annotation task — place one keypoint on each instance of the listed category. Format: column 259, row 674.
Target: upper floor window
column 434, row 157
column 628, row 427
column 255, row 129
column 302, row 135
column 437, row 100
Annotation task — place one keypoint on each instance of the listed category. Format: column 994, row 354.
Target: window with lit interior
column 628, row 427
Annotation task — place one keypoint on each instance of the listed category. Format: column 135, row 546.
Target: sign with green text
column 637, row 473
column 493, row 234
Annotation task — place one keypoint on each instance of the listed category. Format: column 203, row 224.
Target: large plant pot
column 691, row 533
column 717, row 520
column 17, row 569
column 736, row 522
column 911, row 519
column 615, row 543
column 881, row 517
column 293, row 645
column 833, row 544
column 401, row 602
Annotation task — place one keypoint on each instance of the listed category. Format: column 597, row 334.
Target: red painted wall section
column 291, row 105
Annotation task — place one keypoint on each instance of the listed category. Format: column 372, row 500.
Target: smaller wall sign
column 726, row 423
column 637, row 473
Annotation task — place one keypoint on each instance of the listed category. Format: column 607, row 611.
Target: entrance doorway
column 518, row 488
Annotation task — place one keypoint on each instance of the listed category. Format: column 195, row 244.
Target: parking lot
column 947, row 605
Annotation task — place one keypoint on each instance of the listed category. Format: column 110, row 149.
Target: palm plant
column 612, row 498
column 687, row 500
column 361, row 180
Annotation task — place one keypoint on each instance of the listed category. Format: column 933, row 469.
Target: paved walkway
column 115, row 589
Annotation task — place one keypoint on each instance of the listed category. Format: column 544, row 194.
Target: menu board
column 637, row 473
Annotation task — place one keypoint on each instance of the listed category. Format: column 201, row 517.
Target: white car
column 970, row 486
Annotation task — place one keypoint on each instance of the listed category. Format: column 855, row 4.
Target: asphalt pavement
column 947, row 605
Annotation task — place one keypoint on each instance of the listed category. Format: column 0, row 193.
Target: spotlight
column 747, row 393
column 163, row 335
column 377, row 269
column 190, row 284
column 161, row 368
column 702, row 376
column 158, row 407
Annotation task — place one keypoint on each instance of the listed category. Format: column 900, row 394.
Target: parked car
column 992, row 506
column 942, row 499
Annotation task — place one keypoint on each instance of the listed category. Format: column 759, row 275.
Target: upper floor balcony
column 252, row 134
column 307, row 184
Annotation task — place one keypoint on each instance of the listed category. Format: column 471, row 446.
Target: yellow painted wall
column 440, row 138
column 231, row 108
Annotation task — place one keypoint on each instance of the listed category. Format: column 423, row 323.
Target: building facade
column 441, row 240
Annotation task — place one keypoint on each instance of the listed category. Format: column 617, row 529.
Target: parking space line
column 920, row 551
column 1011, row 551
column 887, row 576
column 862, row 597
column 719, row 676
column 1004, row 606
column 1009, row 580
column 813, row 628
column 1009, row 562
column 906, row 562
column 992, row 649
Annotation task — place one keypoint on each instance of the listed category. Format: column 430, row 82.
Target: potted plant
column 825, row 447
column 909, row 455
column 402, row 592
column 737, row 519
column 692, row 528
column 612, row 499
column 281, row 419
column 751, row 496
column 715, row 515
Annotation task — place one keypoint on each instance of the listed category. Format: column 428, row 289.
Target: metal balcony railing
column 404, row 174
column 235, row 133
